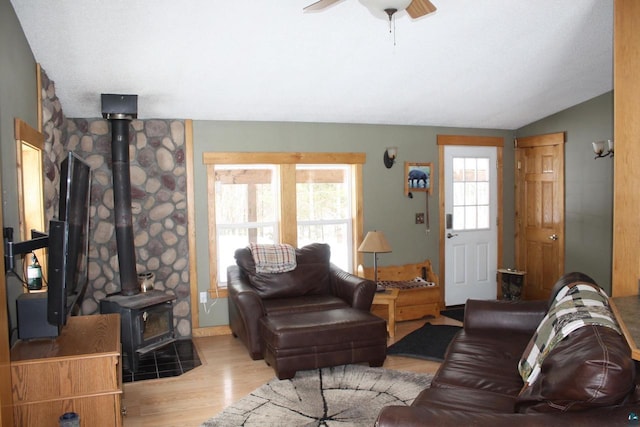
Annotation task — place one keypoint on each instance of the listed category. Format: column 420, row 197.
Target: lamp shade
column 598, row 147
column 375, row 242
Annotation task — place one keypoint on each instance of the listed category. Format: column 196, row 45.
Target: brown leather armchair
column 315, row 285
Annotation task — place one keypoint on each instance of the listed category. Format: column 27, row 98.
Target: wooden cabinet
column 626, row 311
column 79, row 371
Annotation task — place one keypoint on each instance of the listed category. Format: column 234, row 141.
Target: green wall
column 18, row 98
column 588, row 185
column 386, row 208
column 588, row 181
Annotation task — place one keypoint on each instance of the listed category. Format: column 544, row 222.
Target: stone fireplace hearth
column 159, row 201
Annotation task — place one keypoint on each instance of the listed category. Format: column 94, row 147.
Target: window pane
column 483, row 193
column 232, row 238
column 246, row 207
column 458, row 194
column 470, row 220
column 323, row 199
column 470, row 194
column 458, row 218
column 483, row 169
column 483, row 217
column 470, row 169
column 335, row 235
column 458, row 169
column 245, row 194
column 321, row 193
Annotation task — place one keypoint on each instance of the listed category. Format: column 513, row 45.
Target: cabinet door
column 95, row 411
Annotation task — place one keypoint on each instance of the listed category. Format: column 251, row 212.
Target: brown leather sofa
column 587, row 379
column 314, row 316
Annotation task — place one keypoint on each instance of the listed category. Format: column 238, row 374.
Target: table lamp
column 375, row 242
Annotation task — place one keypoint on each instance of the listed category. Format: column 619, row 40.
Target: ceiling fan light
column 381, row 5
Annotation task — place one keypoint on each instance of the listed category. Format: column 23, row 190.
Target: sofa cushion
column 310, row 277
column 275, row 306
column 465, row 400
column 301, row 333
column 483, row 361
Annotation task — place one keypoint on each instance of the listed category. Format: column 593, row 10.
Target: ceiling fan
column 415, row 8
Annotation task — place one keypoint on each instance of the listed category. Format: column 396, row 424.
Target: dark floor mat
column 454, row 313
column 429, row 342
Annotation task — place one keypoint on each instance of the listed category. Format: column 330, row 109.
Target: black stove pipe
column 122, row 185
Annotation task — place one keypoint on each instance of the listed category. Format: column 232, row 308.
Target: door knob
column 449, row 235
column 553, row 237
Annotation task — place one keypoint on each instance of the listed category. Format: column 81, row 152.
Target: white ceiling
column 473, row 63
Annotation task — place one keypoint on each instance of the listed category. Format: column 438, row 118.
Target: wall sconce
column 389, row 157
column 599, row 148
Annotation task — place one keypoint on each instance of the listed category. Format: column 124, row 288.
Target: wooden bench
column 414, row 301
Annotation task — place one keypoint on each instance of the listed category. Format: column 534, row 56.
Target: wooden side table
column 388, row 298
column 626, row 311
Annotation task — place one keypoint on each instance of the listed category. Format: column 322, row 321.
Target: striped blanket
column 574, row 306
column 273, row 258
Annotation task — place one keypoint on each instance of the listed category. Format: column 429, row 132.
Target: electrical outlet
column 203, row 297
column 420, row 218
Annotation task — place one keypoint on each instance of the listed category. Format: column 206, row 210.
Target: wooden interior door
column 540, row 239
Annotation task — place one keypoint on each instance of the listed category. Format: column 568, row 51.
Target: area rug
column 454, row 313
column 429, row 342
column 349, row 395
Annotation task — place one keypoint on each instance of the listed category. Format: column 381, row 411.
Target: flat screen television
column 69, row 242
column 42, row 315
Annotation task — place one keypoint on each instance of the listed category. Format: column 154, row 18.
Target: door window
column 471, row 193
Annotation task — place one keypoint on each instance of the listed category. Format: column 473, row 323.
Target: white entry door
column 471, row 233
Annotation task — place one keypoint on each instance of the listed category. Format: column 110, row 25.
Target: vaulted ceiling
column 473, row 63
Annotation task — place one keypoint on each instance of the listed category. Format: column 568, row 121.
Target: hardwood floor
column 226, row 375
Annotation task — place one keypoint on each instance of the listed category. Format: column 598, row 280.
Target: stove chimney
column 120, row 110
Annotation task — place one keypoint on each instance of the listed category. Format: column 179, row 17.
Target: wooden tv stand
column 79, row 371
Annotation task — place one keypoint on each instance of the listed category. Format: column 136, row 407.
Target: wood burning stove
column 146, row 319
column 146, row 322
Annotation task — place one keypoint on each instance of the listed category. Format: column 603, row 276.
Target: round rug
column 350, row 395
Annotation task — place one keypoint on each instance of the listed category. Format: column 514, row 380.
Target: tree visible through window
column 324, row 209
column 246, row 209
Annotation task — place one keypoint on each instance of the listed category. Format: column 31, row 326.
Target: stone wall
column 158, row 193
column 54, row 127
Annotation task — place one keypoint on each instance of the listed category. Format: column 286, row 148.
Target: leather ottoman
column 311, row 340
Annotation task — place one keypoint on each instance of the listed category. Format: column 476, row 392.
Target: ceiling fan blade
column 419, row 8
column 320, row 4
